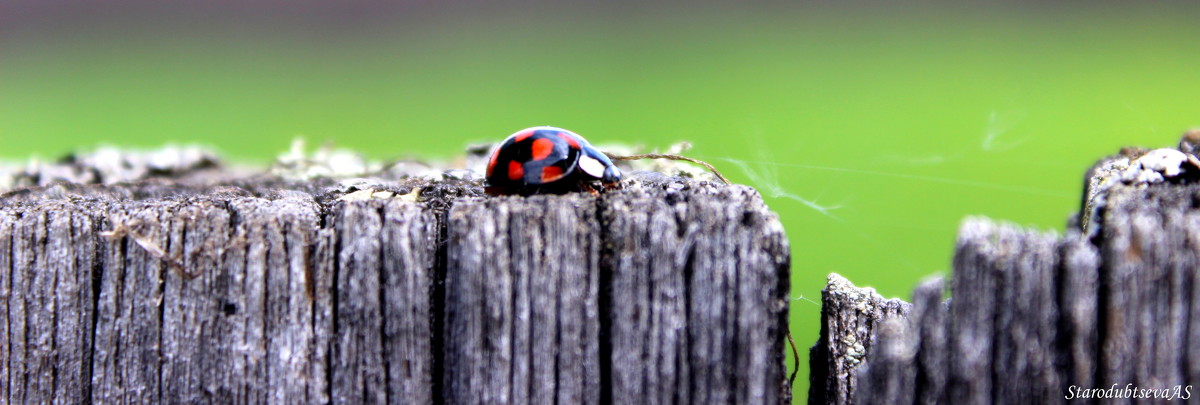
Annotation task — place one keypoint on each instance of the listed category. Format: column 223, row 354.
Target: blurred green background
column 902, row 119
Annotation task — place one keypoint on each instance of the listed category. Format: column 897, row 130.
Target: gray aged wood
column 523, row 311
column 189, row 283
column 850, row 317
column 1112, row 302
column 689, row 312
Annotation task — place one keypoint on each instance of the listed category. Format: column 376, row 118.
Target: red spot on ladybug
column 515, row 171
column 523, row 135
column 551, row 173
column 570, row 140
column 542, row 147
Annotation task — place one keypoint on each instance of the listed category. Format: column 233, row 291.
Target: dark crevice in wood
column 1188, row 306
column 733, row 318
column 1105, row 302
column 22, row 377
column 783, row 268
column 510, row 302
column 160, row 302
column 1062, row 344
column 382, row 278
column 330, row 220
column 688, row 274
column 1104, row 287
column 173, row 245
column 685, row 260
column 437, row 285
column 118, row 297
column 1104, row 296
column 97, row 277
column 651, row 286
column 605, row 302
column 998, row 323
column 8, row 323
column 54, row 315
column 558, row 340
column 261, row 374
column 519, row 340
column 285, row 228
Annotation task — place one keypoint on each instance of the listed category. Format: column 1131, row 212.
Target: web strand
column 671, row 157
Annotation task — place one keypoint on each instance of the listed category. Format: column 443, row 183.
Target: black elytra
column 547, row 160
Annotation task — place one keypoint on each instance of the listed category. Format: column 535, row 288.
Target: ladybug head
column 612, row 175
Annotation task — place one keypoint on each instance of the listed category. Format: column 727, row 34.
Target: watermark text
column 1182, row 392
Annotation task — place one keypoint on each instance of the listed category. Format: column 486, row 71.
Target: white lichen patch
column 412, row 196
column 1156, row 166
column 360, row 195
column 863, row 298
column 373, row 194
column 860, row 309
column 855, row 351
column 298, row 164
column 107, row 165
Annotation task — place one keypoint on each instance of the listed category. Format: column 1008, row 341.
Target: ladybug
column 547, row 160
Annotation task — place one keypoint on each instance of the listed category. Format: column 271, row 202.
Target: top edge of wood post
column 328, row 176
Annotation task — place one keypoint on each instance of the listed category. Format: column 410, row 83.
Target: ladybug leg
column 586, row 186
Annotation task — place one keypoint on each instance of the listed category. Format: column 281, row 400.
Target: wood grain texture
column 522, row 311
column 1150, row 261
column 190, row 284
column 1111, row 302
column 850, row 317
column 698, row 283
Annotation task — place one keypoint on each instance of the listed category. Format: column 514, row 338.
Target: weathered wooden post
column 133, row 278
column 1105, row 313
